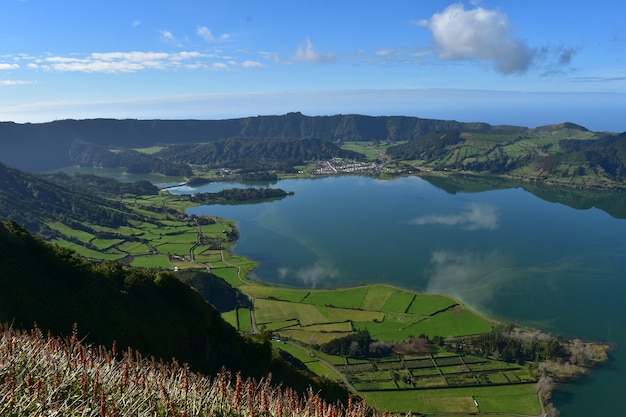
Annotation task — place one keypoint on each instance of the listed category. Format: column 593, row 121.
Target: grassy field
column 440, row 382
column 505, row 399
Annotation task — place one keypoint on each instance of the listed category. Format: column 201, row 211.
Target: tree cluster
column 509, row 344
column 259, row 153
column 238, row 195
column 87, row 154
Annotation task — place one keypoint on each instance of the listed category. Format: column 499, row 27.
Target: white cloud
column 309, row 54
column 271, row 56
column 8, row 66
column 481, row 35
column 117, row 62
column 205, row 33
column 136, row 23
column 476, row 217
column 15, row 82
column 252, row 64
column 168, row 37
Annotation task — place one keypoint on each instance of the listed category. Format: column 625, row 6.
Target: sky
column 528, row 63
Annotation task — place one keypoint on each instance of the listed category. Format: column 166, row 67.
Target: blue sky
column 503, row 62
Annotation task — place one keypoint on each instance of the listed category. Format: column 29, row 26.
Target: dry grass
column 45, row 375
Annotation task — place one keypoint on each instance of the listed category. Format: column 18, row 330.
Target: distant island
column 265, row 147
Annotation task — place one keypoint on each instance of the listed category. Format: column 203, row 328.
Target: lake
column 556, row 262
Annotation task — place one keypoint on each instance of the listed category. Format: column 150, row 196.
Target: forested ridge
column 34, row 199
column 562, row 154
column 261, row 153
column 46, row 146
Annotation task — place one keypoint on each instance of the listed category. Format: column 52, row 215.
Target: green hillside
column 264, row 146
column 151, row 311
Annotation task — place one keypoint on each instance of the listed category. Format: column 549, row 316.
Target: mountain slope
column 147, row 310
column 32, row 199
column 46, row 146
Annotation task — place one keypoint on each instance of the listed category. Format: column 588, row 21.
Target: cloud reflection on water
column 472, row 277
column 476, row 217
column 311, row 276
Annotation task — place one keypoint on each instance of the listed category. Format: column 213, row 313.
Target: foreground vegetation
column 47, row 375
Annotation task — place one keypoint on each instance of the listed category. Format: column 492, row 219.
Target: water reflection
column 319, row 274
column 612, row 202
column 476, row 216
column 472, row 276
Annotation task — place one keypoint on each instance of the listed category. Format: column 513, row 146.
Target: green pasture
column 278, row 293
column 310, row 337
column 425, row 372
column 297, row 352
column 376, row 297
column 150, row 150
column 105, row 244
column 333, row 360
column 344, row 314
column 371, row 150
column 346, row 298
column 504, row 399
column 398, row 302
column 427, row 304
column 86, row 252
column 457, row 321
column 342, row 327
column 69, row 232
column 134, row 248
column 243, row 319
column 230, row 317
column 278, row 325
column 267, row 311
column 228, row 274
column 322, row 370
column 179, row 249
column 152, row 261
column 389, row 329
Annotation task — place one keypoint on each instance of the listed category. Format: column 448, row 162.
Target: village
column 340, row 166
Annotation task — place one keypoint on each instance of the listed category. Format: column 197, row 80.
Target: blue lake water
column 504, row 252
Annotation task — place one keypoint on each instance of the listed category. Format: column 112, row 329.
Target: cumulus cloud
column 205, row 33
column 311, row 276
column 308, row 53
column 479, row 34
column 8, row 66
column 168, row 37
column 475, row 217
